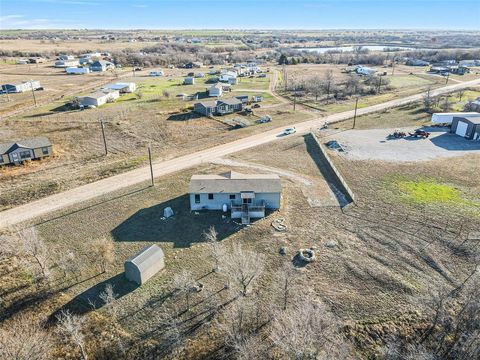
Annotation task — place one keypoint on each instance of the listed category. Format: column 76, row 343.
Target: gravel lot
column 374, row 145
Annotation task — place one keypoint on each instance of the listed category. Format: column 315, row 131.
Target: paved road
column 86, row 192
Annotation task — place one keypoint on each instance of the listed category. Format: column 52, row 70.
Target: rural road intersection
column 160, row 168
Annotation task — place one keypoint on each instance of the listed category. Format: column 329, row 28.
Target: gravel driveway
column 373, row 145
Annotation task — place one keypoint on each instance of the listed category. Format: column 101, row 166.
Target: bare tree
column 446, row 105
column 328, row 83
column 460, row 94
column 242, row 267
column 315, row 86
column 109, row 298
column 216, row 247
column 23, row 338
column 287, row 285
column 71, row 328
column 66, row 262
column 35, row 251
column 104, row 251
column 428, row 100
column 308, row 331
column 183, row 283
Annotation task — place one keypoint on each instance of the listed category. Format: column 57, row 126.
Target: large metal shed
column 145, row 264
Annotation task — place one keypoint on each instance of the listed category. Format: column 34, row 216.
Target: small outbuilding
column 145, row 264
column 467, row 127
column 189, row 80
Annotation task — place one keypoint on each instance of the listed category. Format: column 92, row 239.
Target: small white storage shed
column 447, row 118
column 145, row 264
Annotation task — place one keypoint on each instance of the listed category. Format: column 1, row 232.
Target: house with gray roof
column 21, row 87
column 99, row 98
column 145, row 264
column 28, row 149
column 246, row 196
column 101, row 65
column 218, row 107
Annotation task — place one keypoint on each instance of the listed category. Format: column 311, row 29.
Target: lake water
column 350, row 48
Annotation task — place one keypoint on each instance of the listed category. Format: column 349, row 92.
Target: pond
column 323, row 50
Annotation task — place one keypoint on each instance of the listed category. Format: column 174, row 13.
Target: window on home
column 24, row 154
column 210, row 196
column 197, row 198
column 45, row 150
column 232, row 196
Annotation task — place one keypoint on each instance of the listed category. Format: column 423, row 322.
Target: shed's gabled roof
column 147, row 257
column 33, row 143
column 118, row 86
column 216, row 86
column 473, row 119
column 233, row 182
column 96, row 95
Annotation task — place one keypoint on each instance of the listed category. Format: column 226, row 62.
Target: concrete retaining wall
column 345, row 188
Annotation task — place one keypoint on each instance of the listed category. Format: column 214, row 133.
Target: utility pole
column 448, row 75
column 151, row 167
column 355, row 114
column 102, row 125
column 294, row 98
column 393, row 65
column 33, row 93
column 379, row 84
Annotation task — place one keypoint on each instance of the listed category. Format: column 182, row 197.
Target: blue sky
column 240, row 14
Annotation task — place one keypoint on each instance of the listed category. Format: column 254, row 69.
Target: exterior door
column 461, row 128
column 15, row 157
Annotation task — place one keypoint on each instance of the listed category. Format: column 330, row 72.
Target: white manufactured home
column 77, row 70
column 246, row 196
column 99, row 98
column 123, row 88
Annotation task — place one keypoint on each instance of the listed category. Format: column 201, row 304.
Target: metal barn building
column 145, row 264
column 467, row 127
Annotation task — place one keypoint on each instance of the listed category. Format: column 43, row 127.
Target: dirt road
column 86, row 192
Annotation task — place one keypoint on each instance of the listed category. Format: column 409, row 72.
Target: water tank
column 225, row 208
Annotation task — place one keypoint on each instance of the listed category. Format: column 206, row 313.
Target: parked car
column 255, row 106
column 137, row 69
column 289, row 131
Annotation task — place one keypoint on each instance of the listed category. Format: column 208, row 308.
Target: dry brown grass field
column 379, row 261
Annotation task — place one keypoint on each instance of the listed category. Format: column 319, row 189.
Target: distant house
column 101, row 65
column 36, row 60
column 65, row 57
column 469, row 63
column 242, row 98
column 22, row 61
column 21, row 87
column 85, row 60
column 99, row 98
column 218, row 107
column 156, row 73
column 77, row 70
column 467, row 127
column 199, row 75
column 145, row 264
column 246, row 196
column 189, row 80
column 193, row 65
column 257, row 98
column 416, row 62
column 29, row 149
column 229, row 77
column 215, row 90
column 123, row 88
column 447, row 118
column 65, row 63
column 363, row 70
